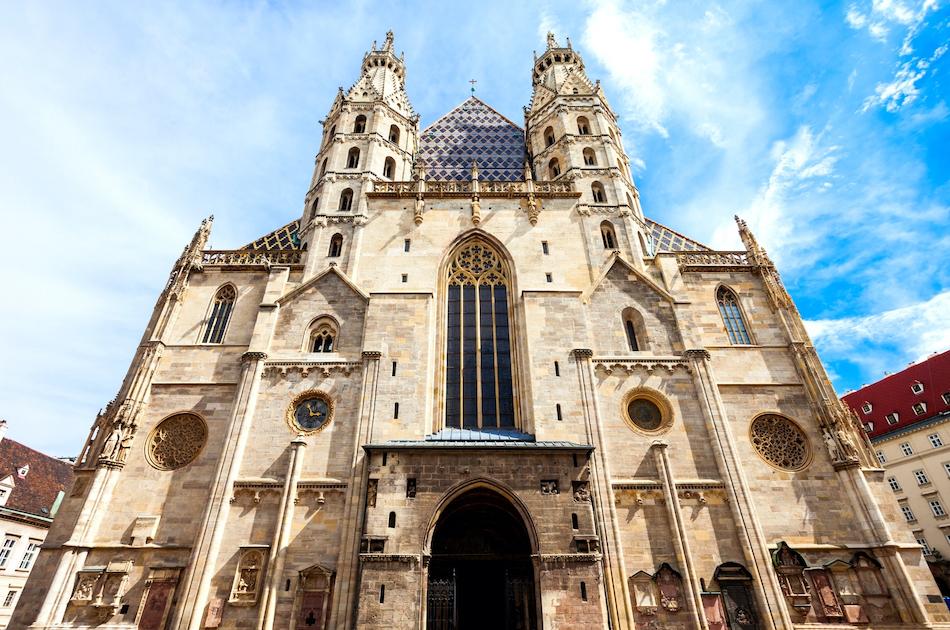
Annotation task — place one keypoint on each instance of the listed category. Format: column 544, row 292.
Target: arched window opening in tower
column 336, row 246
column 353, row 158
column 554, row 168
column 620, row 165
column 322, row 336
column 323, row 167
column 360, row 125
column 548, row 136
column 389, row 168
column 583, row 126
column 589, row 158
column 597, row 191
column 332, row 133
column 394, row 134
column 220, row 314
column 346, row 200
column 478, row 348
column 732, row 316
column 608, row 236
column 635, row 329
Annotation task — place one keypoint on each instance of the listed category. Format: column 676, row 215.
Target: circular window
column 780, row 442
column 176, row 441
column 647, row 412
column 310, row 412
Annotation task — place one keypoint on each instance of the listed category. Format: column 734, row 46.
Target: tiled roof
column 281, row 238
column 507, row 439
column 36, row 492
column 667, row 240
column 471, row 133
column 895, row 394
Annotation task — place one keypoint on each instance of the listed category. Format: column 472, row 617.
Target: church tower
column 573, row 134
column 369, row 134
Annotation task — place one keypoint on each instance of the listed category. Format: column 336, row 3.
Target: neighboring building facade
column 32, row 487
column 474, row 387
column 907, row 416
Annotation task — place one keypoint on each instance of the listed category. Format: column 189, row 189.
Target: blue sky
column 826, row 126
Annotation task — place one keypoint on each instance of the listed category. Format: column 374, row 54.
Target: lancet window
column 353, row 158
column 732, row 316
column 554, row 168
column 394, row 134
column 608, row 236
column 478, row 382
column 220, row 314
column 549, row 136
column 323, row 334
column 589, row 158
column 360, row 125
column 389, row 168
column 336, row 246
column 346, row 200
column 583, row 126
column 597, row 191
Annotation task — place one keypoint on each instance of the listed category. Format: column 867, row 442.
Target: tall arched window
column 323, row 334
column 635, row 329
column 353, row 158
column 329, row 136
column 623, row 169
column 549, row 136
column 323, row 167
column 394, row 134
column 583, row 126
column 597, row 191
column 589, row 158
column 389, row 168
column 478, row 382
column 732, row 316
column 346, row 200
column 220, row 314
column 336, row 246
column 360, row 125
column 608, row 235
column 554, row 168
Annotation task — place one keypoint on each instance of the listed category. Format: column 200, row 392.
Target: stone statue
column 832, row 446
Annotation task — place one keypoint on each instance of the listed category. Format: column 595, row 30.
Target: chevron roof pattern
column 473, row 132
column 281, row 238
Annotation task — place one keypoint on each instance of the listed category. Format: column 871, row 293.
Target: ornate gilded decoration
column 310, row 412
column 176, row 441
column 780, row 442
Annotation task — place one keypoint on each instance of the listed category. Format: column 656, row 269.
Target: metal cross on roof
column 473, row 82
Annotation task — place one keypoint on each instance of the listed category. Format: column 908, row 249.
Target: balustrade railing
column 251, row 257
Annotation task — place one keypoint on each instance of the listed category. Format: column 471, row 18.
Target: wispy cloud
column 902, row 90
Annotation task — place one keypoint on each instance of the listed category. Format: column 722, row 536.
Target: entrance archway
column 480, row 572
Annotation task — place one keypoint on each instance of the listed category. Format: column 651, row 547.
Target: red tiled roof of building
column 37, row 490
column 899, row 393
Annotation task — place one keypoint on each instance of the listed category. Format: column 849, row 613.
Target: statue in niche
column 581, row 491
column 670, row 584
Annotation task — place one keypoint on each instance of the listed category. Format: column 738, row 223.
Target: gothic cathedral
column 473, row 387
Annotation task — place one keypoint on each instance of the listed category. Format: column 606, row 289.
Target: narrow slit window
column 220, row 315
column 574, row 524
column 394, row 368
column 557, row 409
column 631, row 335
column 557, row 369
column 382, row 593
column 392, row 520
column 732, row 316
column 396, row 411
column 584, row 591
column 548, row 277
column 544, row 248
column 406, row 244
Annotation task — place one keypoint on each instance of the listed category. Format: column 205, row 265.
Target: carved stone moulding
column 390, row 557
column 256, row 489
column 560, row 560
column 305, row 367
column 102, row 587
column 629, row 365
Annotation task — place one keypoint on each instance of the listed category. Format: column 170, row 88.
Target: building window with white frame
column 923, row 543
column 946, row 398
column 868, row 427
column 917, row 387
column 937, row 508
column 920, row 408
column 892, row 418
column 880, row 458
column 29, row 555
column 935, row 440
column 908, row 514
column 8, row 544
column 921, row 477
column 892, row 482
column 866, row 407
column 906, row 448
column 10, row 599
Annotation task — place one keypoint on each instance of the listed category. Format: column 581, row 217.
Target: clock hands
column 313, row 413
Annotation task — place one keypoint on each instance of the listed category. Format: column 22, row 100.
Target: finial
column 742, row 224
column 389, row 41
column 569, row 43
column 552, row 43
column 373, row 49
column 474, row 170
column 473, row 82
column 527, row 171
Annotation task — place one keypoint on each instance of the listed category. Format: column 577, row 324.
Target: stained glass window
column 220, row 314
column 732, row 316
column 478, row 380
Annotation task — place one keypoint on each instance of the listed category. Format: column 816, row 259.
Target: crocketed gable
column 471, row 133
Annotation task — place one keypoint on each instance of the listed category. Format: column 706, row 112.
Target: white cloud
column 855, row 18
column 902, row 90
column 910, row 332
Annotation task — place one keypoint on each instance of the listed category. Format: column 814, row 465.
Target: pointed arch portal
column 480, row 572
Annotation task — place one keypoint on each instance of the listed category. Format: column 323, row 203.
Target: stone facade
column 336, row 489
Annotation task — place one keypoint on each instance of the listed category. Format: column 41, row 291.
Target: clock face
column 312, row 413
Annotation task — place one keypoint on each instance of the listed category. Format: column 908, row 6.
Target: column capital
column 248, row 357
column 369, row 355
column 660, row 445
column 582, row 353
column 697, row 354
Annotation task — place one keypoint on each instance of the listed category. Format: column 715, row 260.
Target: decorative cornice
column 305, row 367
column 389, row 557
column 248, row 357
column 559, row 559
column 697, row 354
column 369, row 355
column 582, row 353
column 650, row 364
